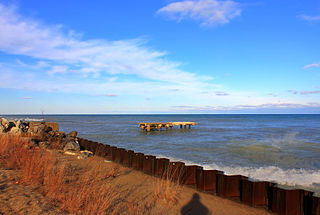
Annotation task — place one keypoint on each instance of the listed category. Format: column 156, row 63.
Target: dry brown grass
column 34, row 163
column 76, row 193
column 12, row 149
column 167, row 188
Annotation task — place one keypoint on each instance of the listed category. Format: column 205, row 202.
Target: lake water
column 280, row 148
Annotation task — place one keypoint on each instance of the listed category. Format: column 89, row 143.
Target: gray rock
column 67, row 139
column 52, row 133
column 71, row 146
column 85, row 154
column 12, row 123
column 23, row 127
column 60, row 134
column 40, row 131
column 73, row 134
column 5, row 123
column 15, row 130
column 19, row 123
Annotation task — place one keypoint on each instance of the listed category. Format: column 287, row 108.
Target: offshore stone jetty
column 153, row 126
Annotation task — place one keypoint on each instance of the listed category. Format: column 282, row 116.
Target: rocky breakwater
column 43, row 135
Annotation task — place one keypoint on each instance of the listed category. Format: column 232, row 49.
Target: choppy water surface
column 281, row 148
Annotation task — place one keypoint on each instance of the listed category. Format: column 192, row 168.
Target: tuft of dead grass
column 167, row 188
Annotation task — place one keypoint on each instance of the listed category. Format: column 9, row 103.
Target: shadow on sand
column 194, row 207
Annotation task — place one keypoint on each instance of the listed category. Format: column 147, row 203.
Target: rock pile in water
column 41, row 134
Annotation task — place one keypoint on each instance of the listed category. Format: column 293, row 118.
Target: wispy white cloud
column 221, row 94
column 38, row 65
column 23, row 36
column 27, row 97
column 311, row 65
column 265, row 106
column 295, row 92
column 309, row 18
column 310, row 92
column 109, row 95
column 208, row 12
column 58, row 70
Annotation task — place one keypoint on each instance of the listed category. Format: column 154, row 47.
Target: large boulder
column 72, row 146
column 22, row 125
column 12, row 123
column 61, row 134
column 19, row 124
column 73, row 134
column 5, row 123
column 40, row 130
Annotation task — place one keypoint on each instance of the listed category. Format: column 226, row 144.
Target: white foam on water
column 289, row 177
column 25, row 119
column 29, row 119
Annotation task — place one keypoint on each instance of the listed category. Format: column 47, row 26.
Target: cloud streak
column 309, row 18
column 221, row 94
column 109, row 95
column 207, row 12
column 265, row 106
column 311, row 65
column 70, row 53
column 295, row 92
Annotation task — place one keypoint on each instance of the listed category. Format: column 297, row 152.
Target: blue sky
column 195, row 56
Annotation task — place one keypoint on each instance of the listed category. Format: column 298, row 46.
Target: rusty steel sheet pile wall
column 161, row 166
column 137, row 161
column 176, row 171
column 229, row 185
column 207, row 180
column 255, row 193
column 315, row 205
column 127, row 158
column 149, row 164
column 119, row 155
column 113, row 150
column 236, row 187
column 191, row 175
column 100, row 150
column 108, row 152
column 287, row 202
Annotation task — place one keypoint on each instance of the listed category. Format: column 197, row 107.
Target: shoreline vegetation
column 43, row 171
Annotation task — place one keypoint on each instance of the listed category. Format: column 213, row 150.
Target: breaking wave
column 30, row 119
column 294, row 178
